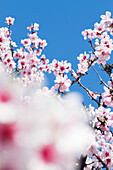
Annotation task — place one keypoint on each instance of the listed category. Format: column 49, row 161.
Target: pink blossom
column 36, row 26
column 107, row 97
column 63, row 83
column 33, row 37
column 99, row 28
column 26, row 42
column 48, row 153
column 9, row 20
column 88, row 33
column 83, row 67
column 5, row 96
column 93, row 94
column 83, row 57
column 106, row 16
column 7, row 131
column 84, row 64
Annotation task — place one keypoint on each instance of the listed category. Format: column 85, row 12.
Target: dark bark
column 81, row 163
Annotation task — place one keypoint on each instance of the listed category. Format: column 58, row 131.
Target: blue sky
column 61, row 23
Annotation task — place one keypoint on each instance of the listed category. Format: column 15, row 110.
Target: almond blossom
column 83, row 66
column 63, row 83
column 106, row 16
column 59, row 67
column 107, row 97
column 88, row 33
column 10, row 20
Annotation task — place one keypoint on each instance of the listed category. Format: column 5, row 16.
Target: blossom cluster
column 100, row 153
column 28, row 63
column 103, row 43
column 103, row 146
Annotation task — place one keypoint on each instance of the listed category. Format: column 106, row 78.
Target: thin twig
column 105, row 69
column 76, row 79
column 100, row 78
column 88, row 92
column 100, row 160
column 17, row 74
column 10, row 40
column 17, row 70
column 92, row 45
column 90, row 163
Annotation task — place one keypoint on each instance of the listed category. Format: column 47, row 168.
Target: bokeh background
column 61, row 23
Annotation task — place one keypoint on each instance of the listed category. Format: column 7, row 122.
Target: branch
column 76, row 79
column 90, row 163
column 100, row 160
column 107, row 70
column 88, row 92
column 10, row 41
column 91, row 44
column 16, row 70
column 100, row 78
column 17, row 74
column 82, row 163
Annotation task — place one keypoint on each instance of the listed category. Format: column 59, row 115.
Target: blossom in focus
column 35, row 27
column 93, row 94
column 107, row 97
column 26, row 42
column 63, row 83
column 106, row 16
column 84, row 64
column 10, row 20
column 88, row 33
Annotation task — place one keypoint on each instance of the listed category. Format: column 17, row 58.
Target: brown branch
column 88, row 92
column 92, row 45
column 10, row 40
column 17, row 73
column 100, row 160
column 90, row 163
column 17, row 70
column 100, row 78
column 104, row 69
column 81, row 163
column 76, row 79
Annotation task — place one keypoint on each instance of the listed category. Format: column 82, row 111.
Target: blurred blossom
column 40, row 127
column 54, row 129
